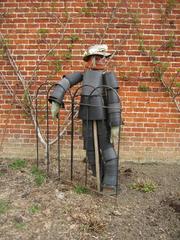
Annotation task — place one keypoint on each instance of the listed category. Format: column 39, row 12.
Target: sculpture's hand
column 55, row 109
column 114, row 133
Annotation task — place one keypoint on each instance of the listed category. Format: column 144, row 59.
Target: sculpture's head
column 96, row 56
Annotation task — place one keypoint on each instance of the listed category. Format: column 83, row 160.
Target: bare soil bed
column 34, row 207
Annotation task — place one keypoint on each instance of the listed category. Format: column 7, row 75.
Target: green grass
column 143, row 186
column 20, row 225
column 4, row 206
column 34, row 209
column 2, row 174
column 39, row 176
column 18, row 164
column 81, row 189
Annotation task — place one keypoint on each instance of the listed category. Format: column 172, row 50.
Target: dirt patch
column 35, row 207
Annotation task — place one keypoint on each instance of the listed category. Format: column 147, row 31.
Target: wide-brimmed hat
column 98, row 49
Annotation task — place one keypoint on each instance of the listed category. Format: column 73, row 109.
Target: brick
column 151, row 118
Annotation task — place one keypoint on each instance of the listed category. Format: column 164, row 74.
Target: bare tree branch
column 172, row 93
column 49, row 51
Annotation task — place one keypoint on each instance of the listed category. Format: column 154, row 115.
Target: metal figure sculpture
column 99, row 110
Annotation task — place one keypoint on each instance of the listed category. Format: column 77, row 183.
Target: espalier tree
column 55, row 62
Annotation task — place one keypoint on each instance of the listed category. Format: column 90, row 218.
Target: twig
column 174, row 78
column 13, row 64
column 66, row 124
column 113, row 14
column 12, row 93
column 49, row 51
column 172, row 94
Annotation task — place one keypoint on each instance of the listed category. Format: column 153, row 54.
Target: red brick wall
column 141, row 32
